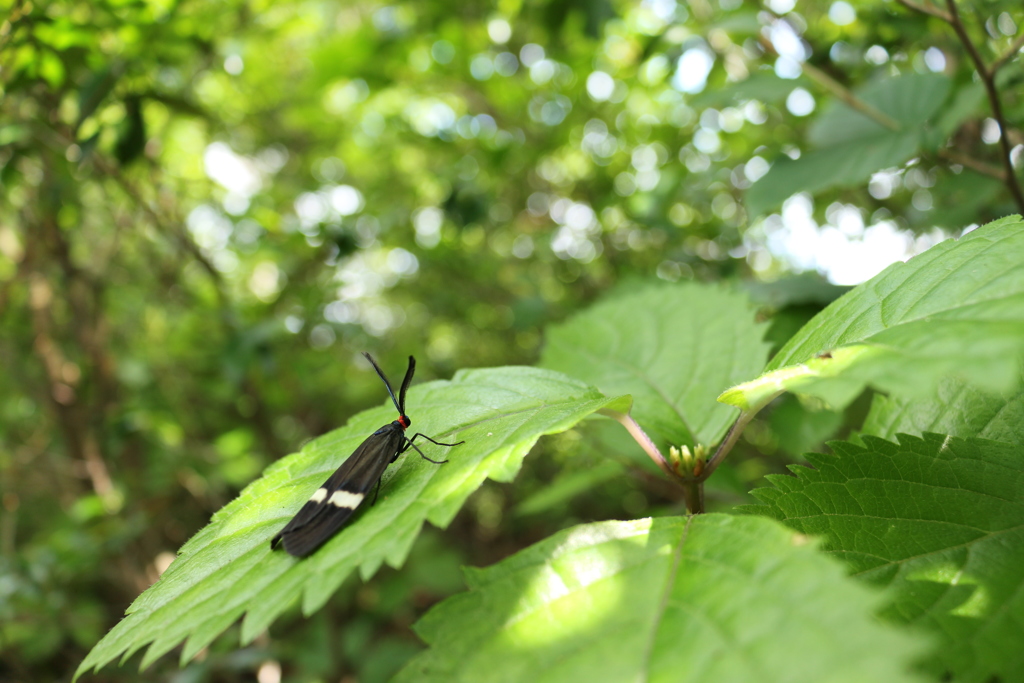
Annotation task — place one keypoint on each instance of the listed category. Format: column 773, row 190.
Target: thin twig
column 115, row 174
column 847, row 96
column 975, row 165
column 926, row 9
column 993, row 97
column 839, row 90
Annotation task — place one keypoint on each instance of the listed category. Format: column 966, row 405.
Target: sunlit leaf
column 673, row 348
column 712, row 597
column 956, row 310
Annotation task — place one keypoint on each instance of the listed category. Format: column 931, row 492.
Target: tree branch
column 987, row 75
column 993, row 97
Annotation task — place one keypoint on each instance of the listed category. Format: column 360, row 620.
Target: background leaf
column 228, row 569
column 850, row 145
column 673, row 348
column 712, row 597
column 761, row 86
column 940, row 521
column 954, row 408
column 957, row 309
column 836, row 166
column 911, row 100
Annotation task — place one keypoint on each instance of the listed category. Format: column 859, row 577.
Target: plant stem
column 730, row 440
column 641, row 438
column 693, row 488
column 693, row 494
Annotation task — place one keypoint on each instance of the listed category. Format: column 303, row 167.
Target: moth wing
column 333, row 503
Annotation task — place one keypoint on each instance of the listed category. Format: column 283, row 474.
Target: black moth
column 333, row 503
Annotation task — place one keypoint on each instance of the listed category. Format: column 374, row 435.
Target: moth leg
column 439, row 443
column 375, row 492
column 408, row 443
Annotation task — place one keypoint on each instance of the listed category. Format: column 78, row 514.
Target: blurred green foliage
column 208, row 209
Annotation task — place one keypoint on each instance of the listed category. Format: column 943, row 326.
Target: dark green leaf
column 954, row 408
column 940, row 521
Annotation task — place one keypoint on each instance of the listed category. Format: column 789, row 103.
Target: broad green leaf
column 940, row 521
column 912, row 100
column 954, row 408
column 840, row 165
column 228, row 570
column 674, row 348
column 850, row 146
column 956, row 310
column 707, row 598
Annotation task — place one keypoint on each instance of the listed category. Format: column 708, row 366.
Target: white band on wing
column 345, row 499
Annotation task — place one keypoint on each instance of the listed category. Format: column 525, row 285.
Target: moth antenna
column 405, row 384
column 384, row 378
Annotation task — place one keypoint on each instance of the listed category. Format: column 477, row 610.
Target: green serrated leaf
column 956, row 310
column 228, row 568
column 954, row 408
column 940, row 521
column 707, row 598
column 672, row 347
